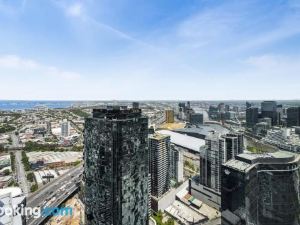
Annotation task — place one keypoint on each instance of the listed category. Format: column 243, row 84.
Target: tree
column 12, row 161
column 34, row 188
column 30, row 177
column 6, row 172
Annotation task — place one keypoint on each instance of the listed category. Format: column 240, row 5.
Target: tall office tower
column 235, row 109
column 135, row 105
column 196, row 118
column 221, row 107
column 279, row 114
column 159, row 147
column 65, row 128
column 182, row 105
column 234, row 145
column 169, row 116
column 116, row 167
column 261, row 189
column 188, row 105
column 248, row 105
column 293, row 116
column 269, row 109
column 219, row 149
column 251, row 117
column 213, row 112
column 176, row 164
column 227, row 108
column 182, row 108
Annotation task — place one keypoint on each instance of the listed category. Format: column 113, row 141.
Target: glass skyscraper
column 116, row 167
column 261, row 189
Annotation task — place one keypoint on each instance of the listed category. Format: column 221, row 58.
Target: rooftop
column 184, row 140
column 205, row 129
column 158, row 136
column 52, row 157
column 245, row 161
column 184, row 214
column 15, row 191
column 116, row 112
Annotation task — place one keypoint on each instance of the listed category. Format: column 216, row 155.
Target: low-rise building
column 53, row 159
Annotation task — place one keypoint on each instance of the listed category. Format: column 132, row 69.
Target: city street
column 21, row 174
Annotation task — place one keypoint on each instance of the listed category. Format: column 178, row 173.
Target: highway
column 54, row 193
column 38, row 197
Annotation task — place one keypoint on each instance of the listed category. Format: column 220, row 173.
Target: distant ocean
column 19, row 105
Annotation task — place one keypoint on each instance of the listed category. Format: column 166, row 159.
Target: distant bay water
column 20, row 105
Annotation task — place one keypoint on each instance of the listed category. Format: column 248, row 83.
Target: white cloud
column 275, row 64
column 74, row 10
column 15, row 62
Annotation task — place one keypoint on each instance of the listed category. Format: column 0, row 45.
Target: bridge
column 54, row 193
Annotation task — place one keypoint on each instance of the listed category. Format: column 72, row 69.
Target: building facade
column 251, row 116
column 65, row 128
column 116, row 167
column 269, row 109
column 218, row 149
column 261, row 189
column 293, row 116
column 196, row 118
column 176, row 164
column 160, row 150
column 169, row 116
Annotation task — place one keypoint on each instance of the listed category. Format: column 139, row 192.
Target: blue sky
column 138, row 49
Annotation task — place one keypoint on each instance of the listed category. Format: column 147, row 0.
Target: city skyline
column 91, row 50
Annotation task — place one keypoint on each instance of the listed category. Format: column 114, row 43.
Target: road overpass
column 54, row 193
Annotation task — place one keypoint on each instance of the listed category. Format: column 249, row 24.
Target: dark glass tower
column 251, row 117
column 218, row 150
column 261, row 189
column 269, row 109
column 293, row 116
column 116, row 167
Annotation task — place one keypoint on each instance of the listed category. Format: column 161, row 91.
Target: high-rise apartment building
column 251, row 116
column 279, row 114
column 269, row 109
column 176, row 164
column 116, row 167
column 213, row 112
column 261, row 189
column 65, row 128
column 169, row 116
column 293, row 116
column 135, row 105
column 219, row 149
column 248, row 105
column 160, row 150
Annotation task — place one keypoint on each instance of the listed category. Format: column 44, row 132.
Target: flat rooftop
column 183, row 140
column 205, row 129
column 184, row 214
column 158, row 136
column 245, row 161
column 52, row 157
column 15, row 191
